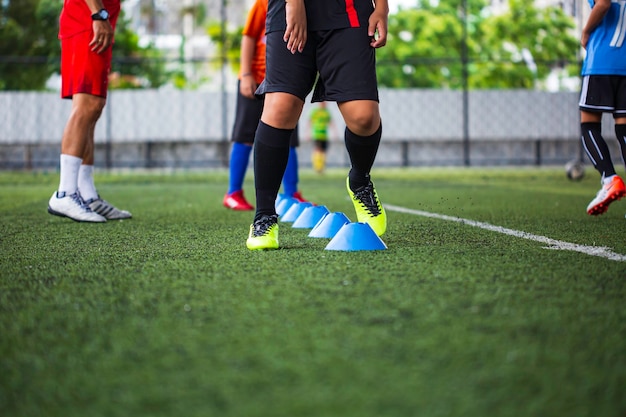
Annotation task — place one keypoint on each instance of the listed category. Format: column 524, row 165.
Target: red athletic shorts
column 84, row 71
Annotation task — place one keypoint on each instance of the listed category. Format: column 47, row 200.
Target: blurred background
column 462, row 83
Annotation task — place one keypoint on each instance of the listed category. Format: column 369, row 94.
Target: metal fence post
column 108, row 158
column 465, row 75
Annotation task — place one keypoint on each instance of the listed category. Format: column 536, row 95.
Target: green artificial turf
column 168, row 314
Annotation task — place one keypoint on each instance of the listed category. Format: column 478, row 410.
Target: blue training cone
column 284, row 205
column 309, row 217
column 329, row 225
column 354, row 237
column 294, row 211
column 279, row 198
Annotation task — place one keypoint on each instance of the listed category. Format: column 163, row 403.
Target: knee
column 95, row 107
column 362, row 117
column 281, row 110
column 364, row 124
column 89, row 109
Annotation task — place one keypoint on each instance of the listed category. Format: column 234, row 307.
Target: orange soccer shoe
column 611, row 191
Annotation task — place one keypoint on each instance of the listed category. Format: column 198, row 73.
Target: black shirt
column 322, row 14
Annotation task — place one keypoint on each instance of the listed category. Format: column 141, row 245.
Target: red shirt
column 76, row 16
column 255, row 28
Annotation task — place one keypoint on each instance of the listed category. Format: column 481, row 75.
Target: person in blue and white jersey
column 604, row 91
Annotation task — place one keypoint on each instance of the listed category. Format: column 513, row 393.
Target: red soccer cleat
column 236, row 201
column 298, row 196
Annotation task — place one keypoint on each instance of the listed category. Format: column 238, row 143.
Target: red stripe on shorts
column 352, row 15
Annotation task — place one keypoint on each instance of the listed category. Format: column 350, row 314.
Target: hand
column 247, row 86
column 296, row 32
column 584, row 39
column 102, row 36
column 378, row 26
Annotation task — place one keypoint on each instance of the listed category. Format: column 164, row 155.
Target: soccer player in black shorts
column 247, row 119
column 248, row 114
column 604, row 91
column 327, row 46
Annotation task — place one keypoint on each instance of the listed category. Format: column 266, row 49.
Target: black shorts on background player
column 247, row 119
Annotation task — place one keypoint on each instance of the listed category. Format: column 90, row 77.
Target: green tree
column 135, row 66
column 525, row 44
column 28, row 29
column 228, row 41
column 512, row 50
column 30, row 50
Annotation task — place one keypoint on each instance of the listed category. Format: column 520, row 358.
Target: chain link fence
column 188, row 126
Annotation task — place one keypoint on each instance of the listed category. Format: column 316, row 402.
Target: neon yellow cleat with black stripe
column 263, row 233
column 368, row 207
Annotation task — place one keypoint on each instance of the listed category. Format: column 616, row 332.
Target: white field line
column 601, row 251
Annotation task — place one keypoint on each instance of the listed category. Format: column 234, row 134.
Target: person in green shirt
column 319, row 121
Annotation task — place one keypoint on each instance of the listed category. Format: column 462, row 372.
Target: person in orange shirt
column 86, row 31
column 248, row 114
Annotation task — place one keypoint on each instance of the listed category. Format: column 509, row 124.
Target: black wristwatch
column 102, row 14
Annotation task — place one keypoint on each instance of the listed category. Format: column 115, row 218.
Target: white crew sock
column 70, row 166
column 86, row 184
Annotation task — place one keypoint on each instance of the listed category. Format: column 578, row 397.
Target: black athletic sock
column 597, row 149
column 620, row 132
column 362, row 151
column 271, row 153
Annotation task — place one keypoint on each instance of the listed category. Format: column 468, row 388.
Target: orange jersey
column 255, row 28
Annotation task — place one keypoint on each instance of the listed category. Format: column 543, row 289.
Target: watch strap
column 101, row 14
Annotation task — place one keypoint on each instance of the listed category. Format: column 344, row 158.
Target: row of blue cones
column 344, row 235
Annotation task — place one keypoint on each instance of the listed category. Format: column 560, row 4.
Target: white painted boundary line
column 601, row 251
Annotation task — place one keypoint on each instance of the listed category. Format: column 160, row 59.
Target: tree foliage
column 30, row 49
column 228, row 42
column 135, row 66
column 28, row 29
column 515, row 49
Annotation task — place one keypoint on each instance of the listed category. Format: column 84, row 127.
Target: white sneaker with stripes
column 106, row 209
column 72, row 206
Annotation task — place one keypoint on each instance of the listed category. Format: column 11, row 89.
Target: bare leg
column 77, row 148
column 282, row 110
column 77, row 142
column 362, row 117
column 78, row 136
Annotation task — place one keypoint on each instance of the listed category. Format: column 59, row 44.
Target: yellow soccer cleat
column 368, row 207
column 263, row 233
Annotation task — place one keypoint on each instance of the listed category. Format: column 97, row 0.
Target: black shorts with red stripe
column 322, row 14
column 343, row 58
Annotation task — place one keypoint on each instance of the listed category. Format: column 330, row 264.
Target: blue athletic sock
column 239, row 157
column 290, row 179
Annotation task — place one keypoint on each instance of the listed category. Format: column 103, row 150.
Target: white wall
column 415, row 115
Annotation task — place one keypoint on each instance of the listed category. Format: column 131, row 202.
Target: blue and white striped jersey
column 606, row 49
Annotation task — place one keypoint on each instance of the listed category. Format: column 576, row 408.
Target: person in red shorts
column 86, row 32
